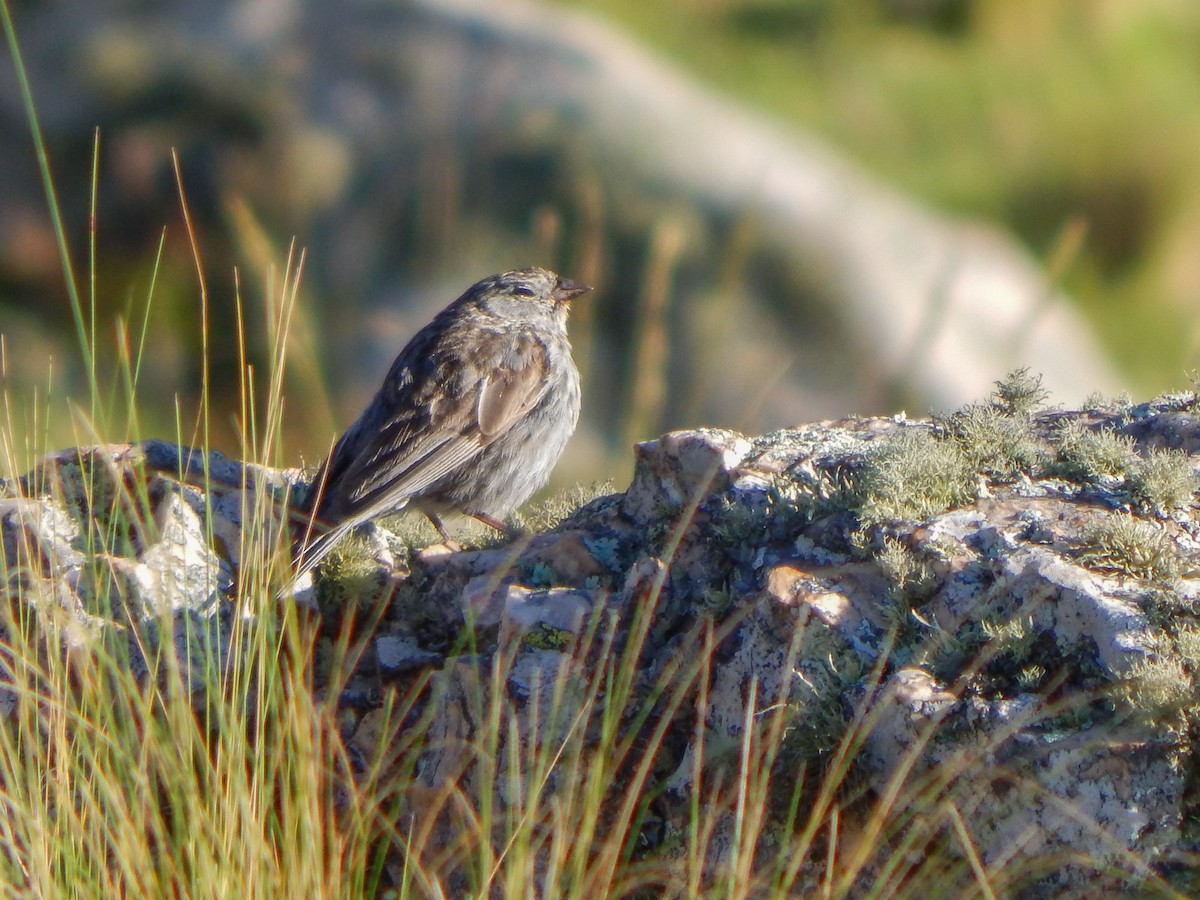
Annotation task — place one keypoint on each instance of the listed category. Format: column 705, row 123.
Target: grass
column 233, row 769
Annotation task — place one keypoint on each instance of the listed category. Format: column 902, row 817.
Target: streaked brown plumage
column 471, row 418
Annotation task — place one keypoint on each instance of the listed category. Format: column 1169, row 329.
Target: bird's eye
column 523, row 291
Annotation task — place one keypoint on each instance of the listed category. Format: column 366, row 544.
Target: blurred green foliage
column 1038, row 114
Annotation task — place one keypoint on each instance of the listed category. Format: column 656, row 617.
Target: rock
column 398, row 655
column 681, row 469
column 178, row 569
column 40, row 538
column 556, row 615
column 117, row 541
column 1007, row 649
column 1028, row 790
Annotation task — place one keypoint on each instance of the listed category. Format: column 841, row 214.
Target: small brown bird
column 471, row 418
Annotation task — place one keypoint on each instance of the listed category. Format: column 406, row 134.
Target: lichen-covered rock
column 1029, row 788
column 1006, row 646
column 135, row 547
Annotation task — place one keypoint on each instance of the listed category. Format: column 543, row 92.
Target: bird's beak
column 566, row 290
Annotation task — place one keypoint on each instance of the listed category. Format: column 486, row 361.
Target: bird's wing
column 507, row 395
column 449, row 424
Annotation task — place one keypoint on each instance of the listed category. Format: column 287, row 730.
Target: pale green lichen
column 538, row 574
column 1019, row 393
column 944, row 653
column 416, row 531
column 605, row 550
column 912, row 476
column 1013, row 636
column 910, row 578
column 350, row 574
column 1162, row 481
column 1085, row 454
column 544, row 637
column 814, row 493
column 548, row 514
column 716, row 601
column 1187, row 645
column 739, row 526
column 412, row 529
column 994, row 442
column 1030, row 677
column 1126, row 545
column 1119, row 403
column 1158, row 684
column 826, row 676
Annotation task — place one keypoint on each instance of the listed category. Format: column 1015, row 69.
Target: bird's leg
column 490, row 521
column 441, row 529
column 493, row 522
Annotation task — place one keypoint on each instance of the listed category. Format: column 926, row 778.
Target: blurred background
column 790, row 209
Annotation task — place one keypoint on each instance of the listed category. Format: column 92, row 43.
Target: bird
column 471, row 418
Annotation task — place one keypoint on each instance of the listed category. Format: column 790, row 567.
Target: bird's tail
column 311, row 544
column 307, row 555
column 311, row 539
